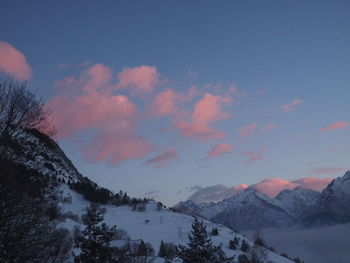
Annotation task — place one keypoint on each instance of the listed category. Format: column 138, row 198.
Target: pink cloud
column 272, row 186
column 317, row 184
column 253, row 156
column 328, row 170
column 13, row 62
column 140, row 80
column 66, row 83
column 292, row 104
column 207, row 110
column 219, row 150
column 269, row 127
column 164, row 103
column 116, row 146
column 170, row 103
column 248, row 129
column 239, row 188
column 162, row 159
column 90, row 103
column 97, row 78
column 335, row 126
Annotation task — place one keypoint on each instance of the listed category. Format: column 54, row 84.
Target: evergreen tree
column 167, row 250
column 200, row 248
column 95, row 242
column 243, row 259
column 162, row 250
column 234, row 243
column 214, row 232
column 244, row 246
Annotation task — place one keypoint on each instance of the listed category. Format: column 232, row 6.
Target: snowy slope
column 297, row 202
column 163, row 225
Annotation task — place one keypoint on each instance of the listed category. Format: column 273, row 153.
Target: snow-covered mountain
column 246, row 210
column 253, row 210
column 297, row 202
column 333, row 204
column 215, row 193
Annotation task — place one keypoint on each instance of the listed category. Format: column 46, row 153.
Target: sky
column 160, row 97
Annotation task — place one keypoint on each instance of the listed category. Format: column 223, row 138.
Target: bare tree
column 21, row 110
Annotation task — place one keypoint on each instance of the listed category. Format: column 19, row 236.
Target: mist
column 316, row 245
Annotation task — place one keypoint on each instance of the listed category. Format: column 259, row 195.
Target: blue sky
column 272, row 52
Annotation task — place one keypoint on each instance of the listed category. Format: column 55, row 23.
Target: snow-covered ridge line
column 289, row 207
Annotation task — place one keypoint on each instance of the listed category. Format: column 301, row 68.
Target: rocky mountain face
column 38, row 151
column 252, row 210
column 333, row 204
column 297, row 202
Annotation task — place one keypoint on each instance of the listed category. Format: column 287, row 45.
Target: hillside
column 152, row 224
column 163, row 225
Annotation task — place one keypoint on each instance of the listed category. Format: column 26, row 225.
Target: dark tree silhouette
column 95, row 241
column 28, row 217
column 200, row 248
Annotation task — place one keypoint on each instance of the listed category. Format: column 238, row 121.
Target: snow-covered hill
column 155, row 225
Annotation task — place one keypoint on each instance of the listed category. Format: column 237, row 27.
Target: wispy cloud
column 248, row 129
column 269, row 127
column 253, row 156
column 162, row 159
column 335, row 126
column 152, row 192
column 292, row 104
column 328, row 170
column 219, row 150
column 194, row 188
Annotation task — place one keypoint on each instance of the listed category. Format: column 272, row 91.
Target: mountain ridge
column 299, row 206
